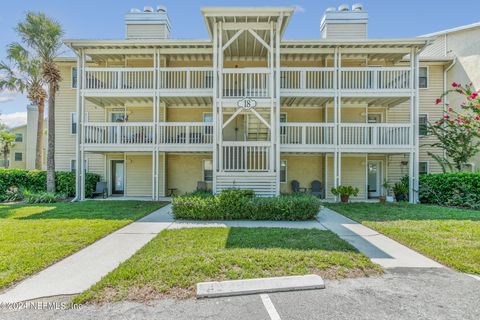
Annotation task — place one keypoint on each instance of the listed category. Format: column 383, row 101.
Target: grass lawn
column 33, row 237
column 450, row 236
column 173, row 262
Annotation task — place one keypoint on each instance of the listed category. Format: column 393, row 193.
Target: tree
column 7, row 141
column 44, row 36
column 23, row 74
column 458, row 131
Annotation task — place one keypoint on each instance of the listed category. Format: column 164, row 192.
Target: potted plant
column 400, row 190
column 386, row 189
column 344, row 192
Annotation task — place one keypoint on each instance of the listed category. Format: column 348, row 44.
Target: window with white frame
column 207, row 170
column 283, row 171
column 208, row 118
column 74, row 77
column 73, row 165
column 423, row 167
column 18, row 156
column 74, row 121
column 283, row 119
column 423, row 77
column 18, row 137
column 423, row 124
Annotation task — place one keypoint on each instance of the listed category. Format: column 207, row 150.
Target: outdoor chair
column 202, row 186
column 296, row 187
column 100, row 189
column 316, row 188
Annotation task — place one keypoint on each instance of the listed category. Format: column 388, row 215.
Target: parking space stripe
column 272, row 312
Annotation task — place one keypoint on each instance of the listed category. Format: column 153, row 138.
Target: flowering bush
column 457, row 132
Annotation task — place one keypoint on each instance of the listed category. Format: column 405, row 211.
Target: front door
column 374, row 179
column 118, row 174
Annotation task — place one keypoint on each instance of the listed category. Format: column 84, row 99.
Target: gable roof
column 456, row 29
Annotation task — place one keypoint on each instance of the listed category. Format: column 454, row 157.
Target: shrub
column 456, row 189
column 42, row 197
column 242, row 204
column 345, row 191
column 35, row 181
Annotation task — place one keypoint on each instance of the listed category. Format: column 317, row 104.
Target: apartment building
column 246, row 108
column 22, row 154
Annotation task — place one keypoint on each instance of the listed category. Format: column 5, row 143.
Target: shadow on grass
column 281, row 238
column 105, row 210
column 378, row 212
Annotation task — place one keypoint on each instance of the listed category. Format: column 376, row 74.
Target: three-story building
column 156, row 116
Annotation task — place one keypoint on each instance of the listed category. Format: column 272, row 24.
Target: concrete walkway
column 379, row 248
column 86, row 267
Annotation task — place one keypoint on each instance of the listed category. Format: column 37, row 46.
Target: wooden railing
column 246, row 82
column 185, row 133
column 245, row 156
column 304, row 79
column 375, row 79
column 307, row 133
column 375, row 134
column 118, row 133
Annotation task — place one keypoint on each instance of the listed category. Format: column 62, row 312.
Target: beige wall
column 184, row 170
column 19, row 147
column 178, row 114
column 138, row 175
column 304, row 169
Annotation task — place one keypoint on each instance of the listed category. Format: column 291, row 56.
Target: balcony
column 353, row 137
column 369, row 81
column 141, row 81
column 137, row 136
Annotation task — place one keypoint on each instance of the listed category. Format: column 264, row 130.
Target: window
column 74, row 77
column 423, row 167
column 423, row 77
column 283, row 119
column 73, row 165
column 18, row 156
column 207, row 170
column 18, row 137
column 208, row 117
column 283, row 171
column 73, row 123
column 423, row 125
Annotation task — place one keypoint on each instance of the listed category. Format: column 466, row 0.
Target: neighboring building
column 246, row 108
column 22, row 154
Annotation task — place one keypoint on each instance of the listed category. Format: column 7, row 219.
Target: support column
column 214, row 107
column 277, row 102
column 80, row 163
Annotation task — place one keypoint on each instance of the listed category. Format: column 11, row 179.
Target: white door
column 374, row 179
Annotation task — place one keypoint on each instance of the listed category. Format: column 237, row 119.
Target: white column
column 78, row 110
column 277, row 102
column 416, row 132
column 214, row 107
column 81, row 131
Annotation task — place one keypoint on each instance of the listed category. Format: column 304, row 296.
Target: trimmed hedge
column 456, row 189
column 36, row 181
column 242, row 204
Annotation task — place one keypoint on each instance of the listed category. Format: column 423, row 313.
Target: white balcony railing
column 375, row 134
column 118, row 78
column 246, row 82
column 305, row 79
column 245, row 156
column 185, row 133
column 375, row 79
column 307, row 133
column 185, row 78
column 118, row 133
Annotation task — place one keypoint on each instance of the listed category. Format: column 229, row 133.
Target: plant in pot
column 386, row 188
column 400, row 190
column 344, row 192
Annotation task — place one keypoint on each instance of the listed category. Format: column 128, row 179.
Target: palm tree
column 44, row 36
column 7, row 141
column 23, row 74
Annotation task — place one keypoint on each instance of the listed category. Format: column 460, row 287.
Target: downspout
column 445, row 101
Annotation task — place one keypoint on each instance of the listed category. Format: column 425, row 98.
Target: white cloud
column 299, row 8
column 14, row 119
column 4, row 99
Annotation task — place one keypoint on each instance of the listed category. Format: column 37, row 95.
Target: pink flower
column 450, row 109
column 446, row 116
column 474, row 95
column 477, row 117
column 455, row 85
column 438, row 101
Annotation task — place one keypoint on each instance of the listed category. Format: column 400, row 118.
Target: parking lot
column 399, row 294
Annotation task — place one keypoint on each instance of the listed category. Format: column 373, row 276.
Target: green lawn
column 33, row 237
column 173, row 262
column 450, row 236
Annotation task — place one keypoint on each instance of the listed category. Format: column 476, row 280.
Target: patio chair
column 202, row 186
column 316, row 188
column 100, row 189
column 296, row 187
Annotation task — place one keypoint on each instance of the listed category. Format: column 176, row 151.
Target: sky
column 103, row 19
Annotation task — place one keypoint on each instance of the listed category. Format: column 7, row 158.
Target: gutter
column 445, row 101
